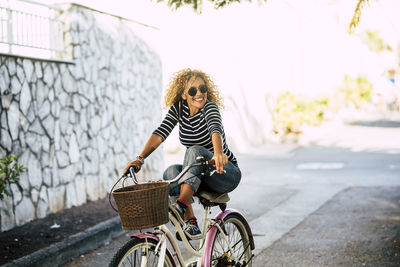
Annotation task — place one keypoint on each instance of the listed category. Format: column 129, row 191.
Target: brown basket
column 142, row 206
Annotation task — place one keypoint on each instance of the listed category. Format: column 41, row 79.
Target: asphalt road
column 333, row 200
column 360, row 226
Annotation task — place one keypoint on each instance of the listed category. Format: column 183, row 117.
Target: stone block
column 105, row 181
column 34, row 195
column 81, row 197
column 7, row 216
column 13, row 120
column 68, row 83
column 57, row 135
column 44, row 110
column 71, row 195
column 55, row 109
column 36, row 127
column 67, row 174
column 92, row 187
column 24, row 212
column 15, row 85
column 20, row 73
column 6, row 141
column 16, row 194
column 42, row 206
column 25, row 99
column 38, row 70
column 5, row 80
column 34, row 172
column 28, row 68
column 12, row 66
column 76, row 102
column 56, row 198
column 55, row 175
column 62, row 159
column 73, row 151
column 58, row 86
column 48, row 124
column 6, row 100
column 47, row 176
column 21, row 139
column 48, row 75
column 64, row 144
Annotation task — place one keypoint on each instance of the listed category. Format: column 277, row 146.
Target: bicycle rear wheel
column 238, row 239
column 136, row 251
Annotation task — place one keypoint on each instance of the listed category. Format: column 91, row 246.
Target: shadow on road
column 377, row 123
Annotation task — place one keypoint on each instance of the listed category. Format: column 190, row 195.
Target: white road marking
column 320, row 166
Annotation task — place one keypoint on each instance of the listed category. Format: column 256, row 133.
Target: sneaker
column 178, row 212
column 192, row 231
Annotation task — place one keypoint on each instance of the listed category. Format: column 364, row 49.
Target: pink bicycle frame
column 213, row 231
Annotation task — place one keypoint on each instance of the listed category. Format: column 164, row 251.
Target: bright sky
column 255, row 49
column 273, row 46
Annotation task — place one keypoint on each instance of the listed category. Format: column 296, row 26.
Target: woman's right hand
column 135, row 164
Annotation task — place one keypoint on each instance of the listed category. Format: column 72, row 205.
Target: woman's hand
column 135, row 163
column 220, row 161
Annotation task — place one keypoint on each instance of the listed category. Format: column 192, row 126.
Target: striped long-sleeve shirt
column 195, row 130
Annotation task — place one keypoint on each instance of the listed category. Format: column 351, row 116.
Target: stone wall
column 75, row 124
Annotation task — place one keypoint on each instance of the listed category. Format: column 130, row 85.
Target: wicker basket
column 142, row 206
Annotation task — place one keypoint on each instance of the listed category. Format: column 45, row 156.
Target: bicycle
column 226, row 239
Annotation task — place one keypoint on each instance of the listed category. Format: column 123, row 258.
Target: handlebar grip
column 134, row 169
column 211, row 162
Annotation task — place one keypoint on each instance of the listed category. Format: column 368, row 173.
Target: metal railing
column 31, row 28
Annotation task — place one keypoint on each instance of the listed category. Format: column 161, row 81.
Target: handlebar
column 201, row 161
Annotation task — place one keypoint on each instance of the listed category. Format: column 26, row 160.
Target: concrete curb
column 74, row 246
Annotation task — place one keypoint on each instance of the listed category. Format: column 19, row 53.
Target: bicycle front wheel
column 233, row 247
column 140, row 252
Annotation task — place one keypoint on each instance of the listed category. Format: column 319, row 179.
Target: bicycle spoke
column 137, row 252
column 231, row 247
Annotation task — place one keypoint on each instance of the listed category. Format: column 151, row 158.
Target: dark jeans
column 220, row 183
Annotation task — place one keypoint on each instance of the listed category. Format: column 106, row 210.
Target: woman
column 194, row 102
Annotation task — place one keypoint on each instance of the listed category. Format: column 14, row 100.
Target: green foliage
column 197, row 4
column 375, row 42
column 355, row 92
column 290, row 112
column 9, row 174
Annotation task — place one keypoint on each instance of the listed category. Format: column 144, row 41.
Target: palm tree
column 357, row 15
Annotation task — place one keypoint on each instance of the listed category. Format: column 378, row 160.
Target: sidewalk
column 74, row 246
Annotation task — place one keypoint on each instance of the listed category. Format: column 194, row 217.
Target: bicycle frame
column 210, row 226
column 162, row 234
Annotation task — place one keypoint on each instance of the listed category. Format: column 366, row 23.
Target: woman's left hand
column 220, row 161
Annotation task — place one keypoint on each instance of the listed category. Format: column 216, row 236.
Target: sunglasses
column 193, row 90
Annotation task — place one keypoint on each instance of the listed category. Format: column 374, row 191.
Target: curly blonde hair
column 178, row 83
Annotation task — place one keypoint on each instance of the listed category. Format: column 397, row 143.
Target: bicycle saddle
column 217, row 198
column 211, row 199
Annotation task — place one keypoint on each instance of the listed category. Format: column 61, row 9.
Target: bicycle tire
column 130, row 254
column 238, row 238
